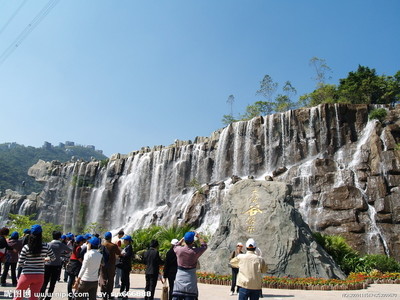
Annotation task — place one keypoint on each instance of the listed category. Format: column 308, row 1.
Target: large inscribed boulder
column 263, row 210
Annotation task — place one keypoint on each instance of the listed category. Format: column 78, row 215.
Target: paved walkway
column 218, row 292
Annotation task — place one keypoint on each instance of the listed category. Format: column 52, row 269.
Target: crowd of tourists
column 90, row 261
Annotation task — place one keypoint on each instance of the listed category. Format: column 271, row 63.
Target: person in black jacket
column 171, row 267
column 4, row 232
column 126, row 265
column 152, row 260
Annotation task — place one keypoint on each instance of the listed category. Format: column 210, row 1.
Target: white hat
column 174, row 241
column 251, row 243
column 239, row 244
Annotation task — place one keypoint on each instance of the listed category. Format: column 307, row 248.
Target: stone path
column 218, row 292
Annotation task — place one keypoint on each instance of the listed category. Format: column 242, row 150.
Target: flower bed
column 355, row 281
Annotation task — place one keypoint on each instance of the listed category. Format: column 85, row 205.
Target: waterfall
column 68, row 220
column 319, row 147
column 374, row 231
column 268, row 133
column 97, row 199
column 5, row 208
column 311, row 135
column 283, row 133
column 304, row 176
column 212, row 219
column 219, row 170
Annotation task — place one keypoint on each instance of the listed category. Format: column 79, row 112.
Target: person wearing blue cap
column 185, row 285
column 65, row 258
column 52, row 270
column 107, row 272
column 25, row 237
column 126, row 265
column 11, row 262
column 32, row 258
column 88, row 276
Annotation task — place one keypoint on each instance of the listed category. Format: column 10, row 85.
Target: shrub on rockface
column 378, row 114
column 350, row 260
column 379, row 262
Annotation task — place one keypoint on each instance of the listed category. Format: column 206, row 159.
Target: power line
column 28, row 29
column 13, row 16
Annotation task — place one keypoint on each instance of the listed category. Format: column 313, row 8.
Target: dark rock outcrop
column 344, row 171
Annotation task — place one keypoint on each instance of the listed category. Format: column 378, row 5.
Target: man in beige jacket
column 251, row 266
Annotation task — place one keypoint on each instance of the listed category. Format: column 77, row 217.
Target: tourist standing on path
column 52, row 269
column 65, row 258
column 235, row 270
column 117, row 241
column 25, row 237
column 126, row 265
column 88, row 277
column 4, row 232
column 12, row 259
column 32, row 258
column 171, row 267
column 251, row 266
column 107, row 272
column 152, row 260
column 75, row 263
column 185, row 285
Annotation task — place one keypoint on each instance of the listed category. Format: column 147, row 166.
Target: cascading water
column 5, row 208
column 68, row 221
column 374, row 233
column 302, row 148
column 219, row 170
column 96, row 199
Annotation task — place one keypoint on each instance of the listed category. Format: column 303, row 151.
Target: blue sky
column 125, row 74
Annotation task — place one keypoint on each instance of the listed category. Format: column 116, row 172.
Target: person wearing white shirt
column 88, row 277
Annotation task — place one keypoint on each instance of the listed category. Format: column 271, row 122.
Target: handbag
column 164, row 294
column 73, row 267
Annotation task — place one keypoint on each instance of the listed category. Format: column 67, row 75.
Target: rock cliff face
column 343, row 169
column 264, row 210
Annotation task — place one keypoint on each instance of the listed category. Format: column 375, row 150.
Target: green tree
column 228, row 119
column 267, row 87
column 230, row 101
column 284, row 102
column 257, row 109
column 365, row 86
column 19, row 223
column 94, row 228
column 321, row 69
column 326, row 93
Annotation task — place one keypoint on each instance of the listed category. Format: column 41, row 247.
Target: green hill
column 15, row 160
